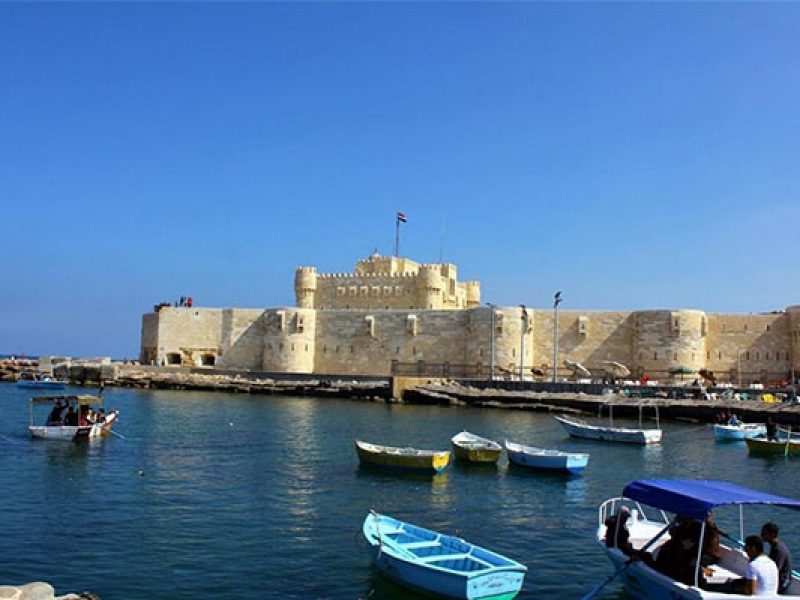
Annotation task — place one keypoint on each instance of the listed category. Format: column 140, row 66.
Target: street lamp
column 556, row 302
column 523, row 329
column 491, row 347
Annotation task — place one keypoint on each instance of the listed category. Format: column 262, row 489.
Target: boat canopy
column 695, row 498
column 81, row 400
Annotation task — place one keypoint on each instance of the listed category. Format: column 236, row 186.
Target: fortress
column 393, row 309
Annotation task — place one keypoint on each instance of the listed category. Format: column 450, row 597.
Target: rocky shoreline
column 39, row 590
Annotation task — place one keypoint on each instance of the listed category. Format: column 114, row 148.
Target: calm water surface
column 262, row 496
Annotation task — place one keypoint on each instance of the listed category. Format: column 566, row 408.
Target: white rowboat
column 581, row 429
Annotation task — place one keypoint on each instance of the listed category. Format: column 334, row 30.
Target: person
column 617, row 534
column 72, row 417
column 62, row 417
column 189, row 302
column 55, row 415
column 779, row 553
column 712, row 551
column 677, row 557
column 761, row 576
column 772, row 430
column 734, row 420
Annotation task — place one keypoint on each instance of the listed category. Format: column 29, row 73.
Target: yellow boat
column 475, row 449
column 410, row 459
column 761, row 445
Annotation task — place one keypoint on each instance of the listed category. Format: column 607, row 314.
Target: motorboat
column 72, row 418
column 738, row 432
column 439, row 564
column 608, row 433
column 410, row 459
column 648, row 502
column 544, row 458
column 39, row 381
column 475, row 449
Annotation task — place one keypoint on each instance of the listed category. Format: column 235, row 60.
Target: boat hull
column 73, row 433
column 737, row 433
column 764, row 446
column 402, row 458
column 549, row 461
column 610, row 434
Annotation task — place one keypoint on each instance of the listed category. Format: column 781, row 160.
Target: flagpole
column 397, row 236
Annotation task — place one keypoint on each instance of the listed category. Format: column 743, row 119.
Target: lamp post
column 523, row 329
column 739, row 366
column 556, row 302
column 491, row 345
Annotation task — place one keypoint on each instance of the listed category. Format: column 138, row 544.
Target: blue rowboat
column 542, row 458
column 439, row 564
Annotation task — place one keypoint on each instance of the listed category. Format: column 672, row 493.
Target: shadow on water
column 378, row 473
column 381, row 588
column 470, row 468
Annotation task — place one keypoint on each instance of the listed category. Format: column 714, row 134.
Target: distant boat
column 79, row 430
column 543, row 458
column 738, row 432
column 475, row 449
column 439, row 564
column 581, row 429
column 36, row 380
column 411, row 459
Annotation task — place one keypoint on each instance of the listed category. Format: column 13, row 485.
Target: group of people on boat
column 728, row 418
column 65, row 414
column 677, row 557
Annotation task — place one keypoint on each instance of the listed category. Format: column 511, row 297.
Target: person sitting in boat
column 712, row 550
column 734, row 420
column 722, row 418
column 71, row 418
column 677, row 557
column 101, row 416
column 617, row 534
column 761, row 576
column 780, row 555
column 62, row 417
column 54, row 418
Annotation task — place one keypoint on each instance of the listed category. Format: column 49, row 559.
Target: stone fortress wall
column 394, row 309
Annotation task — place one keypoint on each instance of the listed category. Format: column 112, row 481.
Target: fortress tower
column 305, row 286
column 794, row 334
column 667, row 340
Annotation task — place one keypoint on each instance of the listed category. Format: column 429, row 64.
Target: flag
column 401, row 217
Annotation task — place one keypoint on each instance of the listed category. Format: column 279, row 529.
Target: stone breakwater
column 700, row 411
column 10, row 370
column 38, row 590
column 137, row 376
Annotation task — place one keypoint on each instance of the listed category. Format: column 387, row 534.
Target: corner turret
column 305, row 286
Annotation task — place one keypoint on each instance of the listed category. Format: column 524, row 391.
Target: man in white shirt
column 761, row 576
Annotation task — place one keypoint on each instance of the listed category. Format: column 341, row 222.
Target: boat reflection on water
column 380, row 588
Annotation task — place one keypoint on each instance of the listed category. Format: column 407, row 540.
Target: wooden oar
column 598, row 588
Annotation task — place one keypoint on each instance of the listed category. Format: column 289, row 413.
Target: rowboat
column 71, row 418
column 475, row 449
column 581, row 429
column 439, row 564
column 762, row 445
column 742, row 431
column 412, row 459
column 542, row 458
column 693, row 499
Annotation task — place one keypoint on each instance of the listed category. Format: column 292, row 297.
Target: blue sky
column 632, row 155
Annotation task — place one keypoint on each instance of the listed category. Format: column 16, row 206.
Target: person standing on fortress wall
column 189, row 302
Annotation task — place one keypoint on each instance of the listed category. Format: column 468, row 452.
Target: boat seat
column 443, row 557
column 425, row 544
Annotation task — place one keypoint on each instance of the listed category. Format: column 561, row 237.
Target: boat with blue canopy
column 439, row 564
column 646, row 505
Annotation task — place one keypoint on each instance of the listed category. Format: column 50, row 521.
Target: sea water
column 233, row 496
